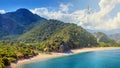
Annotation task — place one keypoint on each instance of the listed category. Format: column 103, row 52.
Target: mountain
column 24, row 26
column 42, row 31
column 55, row 34
column 15, row 23
column 101, row 37
column 116, row 37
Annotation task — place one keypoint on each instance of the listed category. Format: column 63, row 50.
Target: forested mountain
column 101, row 37
column 26, row 34
column 116, row 37
column 42, row 32
column 23, row 25
column 55, row 33
column 16, row 23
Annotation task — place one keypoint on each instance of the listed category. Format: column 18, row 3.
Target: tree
column 1, row 63
column 6, row 62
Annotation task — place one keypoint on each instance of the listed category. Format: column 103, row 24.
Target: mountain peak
column 23, row 10
column 16, row 22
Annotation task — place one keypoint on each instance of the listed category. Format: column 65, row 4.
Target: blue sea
column 93, row 59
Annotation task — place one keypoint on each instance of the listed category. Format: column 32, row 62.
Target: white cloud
column 95, row 21
column 98, row 18
column 2, row 11
column 64, row 7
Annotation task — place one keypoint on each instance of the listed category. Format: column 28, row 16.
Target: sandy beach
column 39, row 57
column 75, row 51
column 42, row 57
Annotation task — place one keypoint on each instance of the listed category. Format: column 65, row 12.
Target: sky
column 93, row 15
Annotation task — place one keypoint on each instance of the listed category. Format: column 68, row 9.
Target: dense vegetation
column 116, row 37
column 24, row 34
column 18, row 22
column 101, row 37
column 105, row 41
column 56, row 33
column 13, row 51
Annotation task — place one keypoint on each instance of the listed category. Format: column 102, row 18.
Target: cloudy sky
column 95, row 15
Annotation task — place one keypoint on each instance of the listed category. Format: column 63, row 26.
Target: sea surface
column 93, row 59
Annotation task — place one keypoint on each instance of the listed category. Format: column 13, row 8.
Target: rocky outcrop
column 63, row 47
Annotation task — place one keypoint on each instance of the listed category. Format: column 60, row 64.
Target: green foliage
column 1, row 63
column 13, row 51
column 42, row 32
column 101, row 37
column 6, row 62
column 115, row 37
column 104, row 41
column 18, row 22
column 51, row 33
column 102, row 44
column 32, row 34
column 11, row 59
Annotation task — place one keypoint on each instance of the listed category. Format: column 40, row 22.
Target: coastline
column 75, row 51
column 42, row 57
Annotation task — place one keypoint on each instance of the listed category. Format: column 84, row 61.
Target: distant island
column 24, row 35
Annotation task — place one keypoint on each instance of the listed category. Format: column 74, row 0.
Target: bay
column 93, row 59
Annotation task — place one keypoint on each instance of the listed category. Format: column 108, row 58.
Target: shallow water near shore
column 93, row 59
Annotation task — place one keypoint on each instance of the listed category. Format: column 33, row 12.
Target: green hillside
column 47, row 36
column 53, row 33
column 101, row 37
column 116, row 37
column 42, row 32
column 23, row 35
column 17, row 22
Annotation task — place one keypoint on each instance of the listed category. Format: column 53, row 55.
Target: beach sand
column 93, row 49
column 39, row 57
column 42, row 57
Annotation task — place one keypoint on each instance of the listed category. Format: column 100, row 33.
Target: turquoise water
column 95, row 59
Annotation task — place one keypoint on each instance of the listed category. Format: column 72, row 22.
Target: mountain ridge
column 115, row 36
column 102, row 37
column 14, row 23
column 54, row 34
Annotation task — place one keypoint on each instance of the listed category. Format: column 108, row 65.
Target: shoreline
column 42, row 57
column 76, row 51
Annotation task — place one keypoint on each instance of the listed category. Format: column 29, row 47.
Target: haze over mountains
column 116, row 37
column 101, row 37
